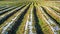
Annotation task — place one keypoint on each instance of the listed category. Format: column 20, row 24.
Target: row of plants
column 9, row 14
column 44, row 26
column 57, row 9
column 52, row 14
column 12, row 20
column 54, row 26
column 24, row 17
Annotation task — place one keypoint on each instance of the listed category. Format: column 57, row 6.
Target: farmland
column 29, row 17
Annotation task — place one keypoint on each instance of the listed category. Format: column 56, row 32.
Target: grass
column 12, row 3
column 42, row 3
column 49, row 3
column 2, row 3
column 59, row 32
